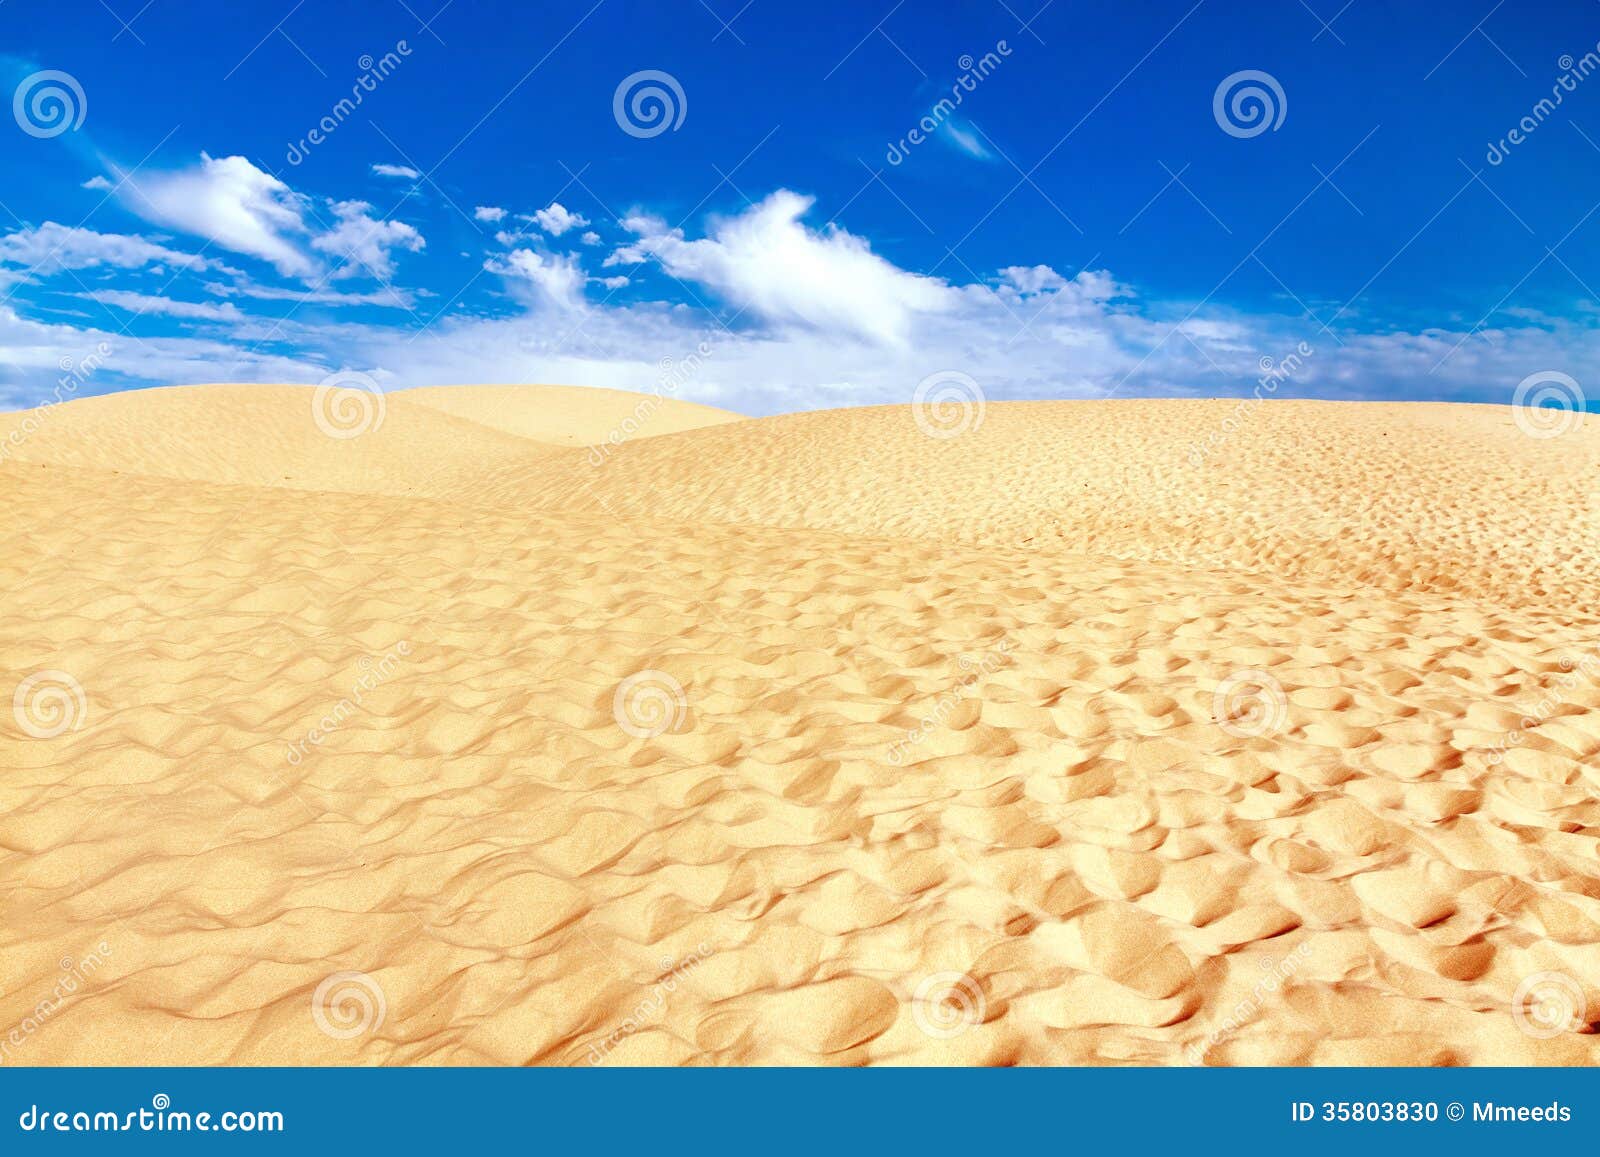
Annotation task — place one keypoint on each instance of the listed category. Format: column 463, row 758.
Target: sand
column 1082, row 737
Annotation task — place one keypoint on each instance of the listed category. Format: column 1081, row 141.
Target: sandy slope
column 949, row 727
column 570, row 415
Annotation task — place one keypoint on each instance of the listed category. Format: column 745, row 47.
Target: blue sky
column 1083, row 224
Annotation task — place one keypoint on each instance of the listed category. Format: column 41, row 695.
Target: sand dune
column 1316, row 489
column 436, row 442
column 570, row 415
column 808, row 740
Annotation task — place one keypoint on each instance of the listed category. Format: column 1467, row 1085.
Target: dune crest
column 798, row 740
column 570, row 415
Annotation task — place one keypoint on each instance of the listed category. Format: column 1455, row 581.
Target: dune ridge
column 571, row 415
column 798, row 740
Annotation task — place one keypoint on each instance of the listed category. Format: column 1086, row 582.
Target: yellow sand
column 569, row 415
column 1069, row 860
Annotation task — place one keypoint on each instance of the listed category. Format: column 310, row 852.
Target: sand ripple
column 351, row 781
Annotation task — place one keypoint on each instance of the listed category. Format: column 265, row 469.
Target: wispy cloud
column 142, row 303
column 403, row 172
column 363, row 244
column 51, row 247
column 965, row 139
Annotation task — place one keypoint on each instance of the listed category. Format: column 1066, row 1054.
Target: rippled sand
column 1081, row 737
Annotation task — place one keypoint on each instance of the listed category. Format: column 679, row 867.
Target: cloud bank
column 796, row 315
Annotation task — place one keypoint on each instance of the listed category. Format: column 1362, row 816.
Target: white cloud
column 230, row 202
column 96, row 182
column 556, row 219
column 404, row 172
column 1031, row 278
column 141, row 303
column 825, row 322
column 386, row 295
column 1070, row 342
column 1083, row 338
column 235, row 205
column 52, row 247
column 490, row 213
column 364, row 244
column 966, row 140
column 768, row 261
column 553, row 280
column 33, row 353
column 626, row 255
column 590, row 238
